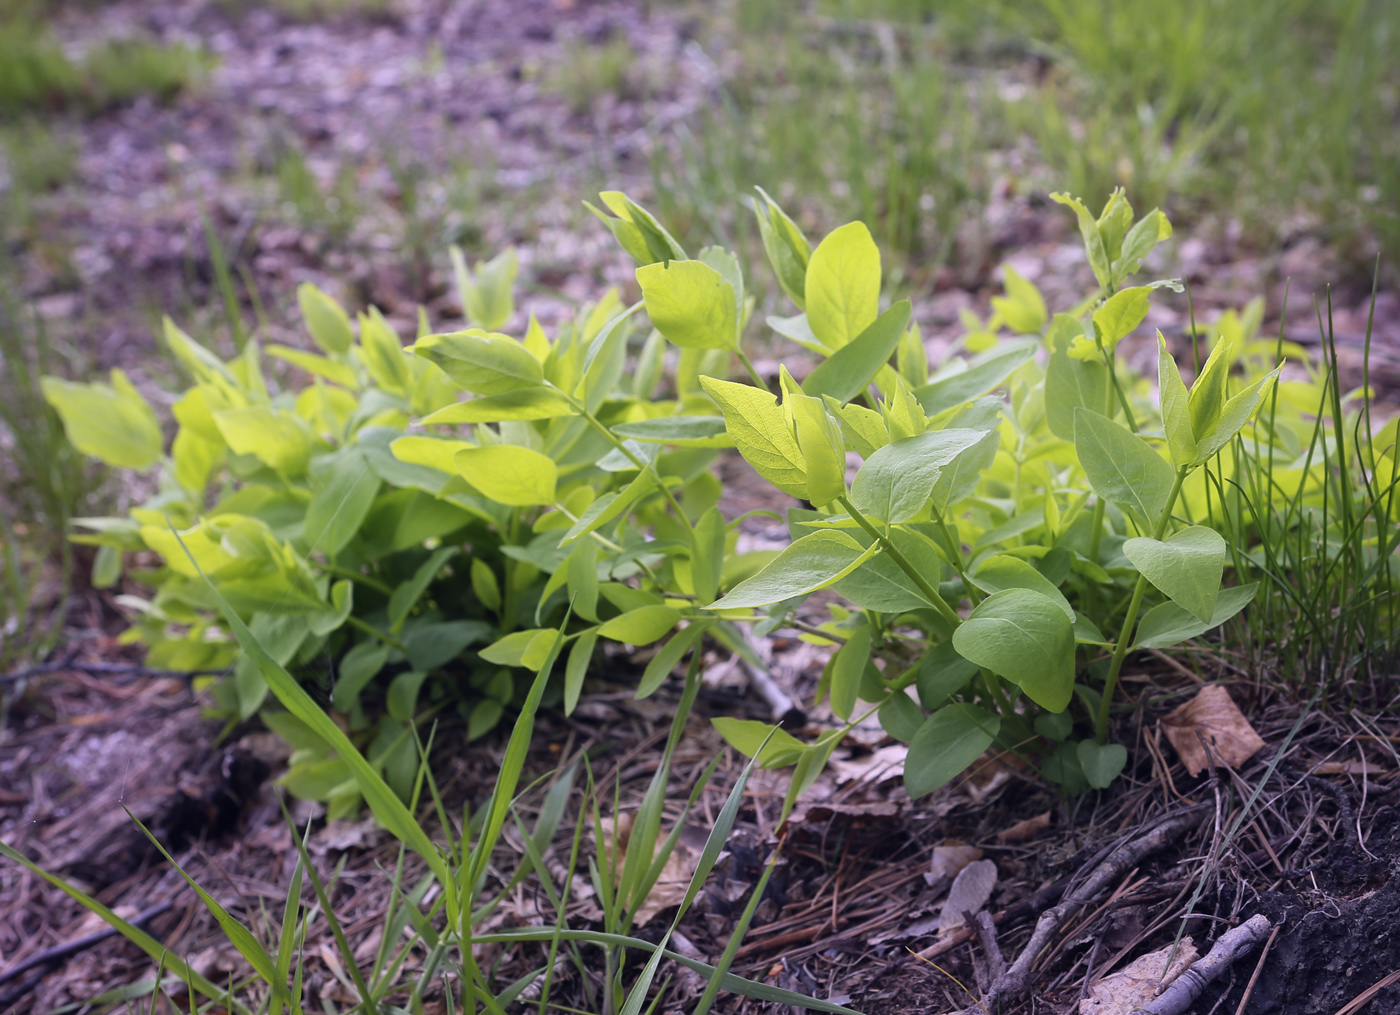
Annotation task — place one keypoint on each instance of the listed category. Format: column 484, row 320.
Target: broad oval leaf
column 691, row 304
column 748, row 736
column 509, row 474
column 948, row 741
column 641, row 626
column 328, row 323
column 810, row 563
column 1168, row 624
column 1002, row 571
column 759, row 430
column 113, row 423
column 482, row 362
column 881, row 584
column 897, row 481
column 1101, row 762
column 1187, row 566
column 842, row 285
column 1025, row 637
column 1121, row 466
column 342, row 490
column 847, row 667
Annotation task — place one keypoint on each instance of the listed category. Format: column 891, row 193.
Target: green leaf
column 581, row 572
column 707, row 555
column 681, row 431
column 958, row 479
column 1071, row 383
column 509, row 474
column 864, row 429
column 580, row 657
column 819, row 438
column 327, row 322
column 949, row 388
column 691, row 304
column 1022, row 308
column 1207, row 398
column 1121, row 466
column 842, row 285
column 521, row 404
column 343, row 488
column 1101, row 762
column 946, row 744
column 1002, row 571
column 516, row 648
column 383, row 801
column 1237, row 412
column 383, row 354
column 357, row 668
column 277, row 438
column 1168, row 624
column 850, row 369
column 1119, row 316
column 810, row 563
column 641, row 626
column 787, row 248
column 760, row 432
column 432, row 644
column 1186, row 566
column 112, row 423
column 1093, row 239
column 1176, row 412
column 896, row 482
column 1149, row 231
column 901, row 717
column 322, row 366
column 608, row 508
column 486, row 295
column 1025, row 637
column 847, row 666
column 406, row 594
column 881, row 584
column 670, row 655
column 747, row 736
column 942, row 673
column 481, row 362
column 485, row 585
column 644, row 239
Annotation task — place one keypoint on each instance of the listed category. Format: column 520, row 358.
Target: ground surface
column 444, row 123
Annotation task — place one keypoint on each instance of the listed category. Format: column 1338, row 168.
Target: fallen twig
column 96, row 669
column 1183, row 991
column 1016, row 979
column 51, row 955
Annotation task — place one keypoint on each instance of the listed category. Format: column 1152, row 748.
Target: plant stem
column 1120, row 650
column 930, row 593
column 754, row 375
column 645, row 466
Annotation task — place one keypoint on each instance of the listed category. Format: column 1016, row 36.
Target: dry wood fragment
column 1183, row 991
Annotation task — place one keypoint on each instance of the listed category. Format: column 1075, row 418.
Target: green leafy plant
column 984, row 543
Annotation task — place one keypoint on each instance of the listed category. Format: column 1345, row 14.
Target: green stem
column 754, row 375
column 1003, row 703
column 374, row 632
column 902, row 562
column 645, row 466
column 1120, row 650
column 356, row 576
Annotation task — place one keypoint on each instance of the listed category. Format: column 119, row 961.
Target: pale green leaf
column 1121, row 466
column 950, row 388
column 850, row 369
column 1002, row 571
column 1168, row 624
column 842, row 285
column 112, row 423
column 681, row 431
column 509, row 474
column 1186, row 566
column 343, row 488
column 641, row 626
column 481, row 362
column 759, row 430
column 691, row 304
column 521, row 404
column 810, row 563
column 328, row 323
column 896, row 482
